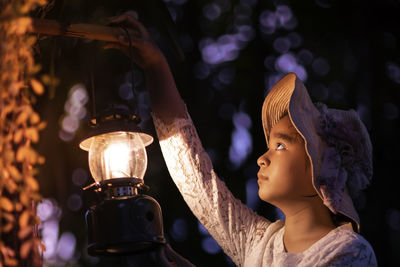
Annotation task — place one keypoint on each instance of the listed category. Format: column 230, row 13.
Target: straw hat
column 336, row 142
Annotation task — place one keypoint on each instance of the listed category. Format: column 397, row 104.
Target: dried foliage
column 19, row 129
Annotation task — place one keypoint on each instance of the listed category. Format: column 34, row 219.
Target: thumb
column 118, row 46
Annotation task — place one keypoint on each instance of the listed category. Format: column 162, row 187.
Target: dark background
column 347, row 53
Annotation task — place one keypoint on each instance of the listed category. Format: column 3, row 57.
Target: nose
column 263, row 160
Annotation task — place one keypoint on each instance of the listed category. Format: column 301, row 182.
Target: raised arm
column 233, row 225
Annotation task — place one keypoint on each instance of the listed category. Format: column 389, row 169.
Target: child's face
column 285, row 172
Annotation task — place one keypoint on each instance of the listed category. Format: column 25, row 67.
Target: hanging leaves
column 6, row 204
column 31, row 183
column 37, row 87
column 25, row 249
column 24, row 219
column 10, row 186
column 34, row 118
column 24, row 232
column 22, row 117
column 19, row 129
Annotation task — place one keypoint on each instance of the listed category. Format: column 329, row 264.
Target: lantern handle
column 132, row 71
column 93, row 93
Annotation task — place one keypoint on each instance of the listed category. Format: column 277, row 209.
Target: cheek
column 289, row 169
column 301, row 173
column 288, row 176
column 283, row 175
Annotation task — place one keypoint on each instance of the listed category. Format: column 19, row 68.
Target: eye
column 280, row 146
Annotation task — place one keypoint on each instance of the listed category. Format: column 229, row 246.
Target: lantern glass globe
column 117, row 155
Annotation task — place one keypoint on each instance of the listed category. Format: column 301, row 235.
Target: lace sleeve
column 232, row 224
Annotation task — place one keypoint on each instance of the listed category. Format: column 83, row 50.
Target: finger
column 129, row 20
column 113, row 45
column 130, row 13
column 124, row 18
column 116, row 18
column 120, row 47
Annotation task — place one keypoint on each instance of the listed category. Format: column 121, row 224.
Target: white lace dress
column 247, row 238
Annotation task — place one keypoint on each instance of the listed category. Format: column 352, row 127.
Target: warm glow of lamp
column 115, row 162
column 118, row 154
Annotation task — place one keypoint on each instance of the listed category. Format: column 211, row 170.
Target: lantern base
column 124, row 226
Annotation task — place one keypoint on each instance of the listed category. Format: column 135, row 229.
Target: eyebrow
column 289, row 138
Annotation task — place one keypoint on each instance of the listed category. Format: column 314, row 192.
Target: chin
column 263, row 196
column 272, row 199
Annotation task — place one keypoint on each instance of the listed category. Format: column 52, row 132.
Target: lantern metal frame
column 122, row 221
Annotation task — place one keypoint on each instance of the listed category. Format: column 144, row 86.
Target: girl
column 316, row 160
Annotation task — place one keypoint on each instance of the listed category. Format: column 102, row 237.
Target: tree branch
column 79, row 30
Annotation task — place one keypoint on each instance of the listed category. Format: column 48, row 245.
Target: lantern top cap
column 115, row 120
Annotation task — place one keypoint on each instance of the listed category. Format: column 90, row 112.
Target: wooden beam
column 95, row 32
column 79, row 30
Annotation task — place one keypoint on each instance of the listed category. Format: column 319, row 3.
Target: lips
column 261, row 177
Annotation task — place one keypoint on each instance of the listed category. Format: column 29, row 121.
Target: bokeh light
column 75, row 111
column 242, row 141
column 202, row 230
column 210, row 245
column 125, row 91
column 49, row 233
column 287, row 63
column 393, row 71
column 45, row 209
column 242, row 120
column 295, row 39
column 282, row 44
column 279, row 215
column 201, row 70
column 224, row 49
column 60, row 250
column 74, row 202
column 65, row 136
column 305, row 57
column 70, row 124
column 226, row 75
column 245, row 34
column 66, row 246
column 211, row 11
column 284, row 14
column 79, row 177
column 252, row 198
column 321, row 66
column 179, row 230
column 267, row 21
